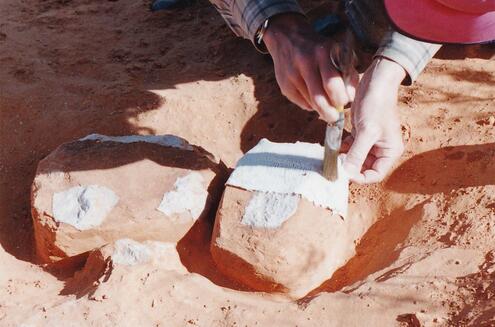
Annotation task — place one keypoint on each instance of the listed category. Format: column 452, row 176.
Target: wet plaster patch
column 128, row 252
column 189, row 196
column 269, row 209
column 83, row 207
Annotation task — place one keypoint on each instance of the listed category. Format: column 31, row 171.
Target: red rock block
column 281, row 226
column 93, row 191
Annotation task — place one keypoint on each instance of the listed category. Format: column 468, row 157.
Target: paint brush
column 343, row 60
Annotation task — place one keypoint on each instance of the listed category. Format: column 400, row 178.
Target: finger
column 377, row 173
column 333, row 83
column 326, row 111
column 394, row 151
column 300, row 101
column 358, row 152
column 352, row 82
column 299, row 85
column 292, row 92
column 318, row 96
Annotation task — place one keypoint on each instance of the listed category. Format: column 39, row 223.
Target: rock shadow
column 376, row 250
column 194, row 247
column 97, row 269
column 101, row 155
column 195, row 255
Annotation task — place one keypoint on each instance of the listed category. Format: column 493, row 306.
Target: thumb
column 358, row 152
column 351, row 83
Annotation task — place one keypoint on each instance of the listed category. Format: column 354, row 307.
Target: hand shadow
column 445, row 169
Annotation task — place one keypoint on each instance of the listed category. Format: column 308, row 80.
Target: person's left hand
column 376, row 141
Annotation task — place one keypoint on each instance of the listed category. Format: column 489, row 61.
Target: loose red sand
column 71, row 68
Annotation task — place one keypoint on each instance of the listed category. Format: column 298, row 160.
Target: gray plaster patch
column 164, row 140
column 129, row 252
column 269, row 209
column 83, row 207
column 189, row 195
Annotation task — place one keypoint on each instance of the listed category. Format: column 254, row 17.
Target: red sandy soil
column 71, row 68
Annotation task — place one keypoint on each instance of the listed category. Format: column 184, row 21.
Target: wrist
column 388, row 71
column 282, row 26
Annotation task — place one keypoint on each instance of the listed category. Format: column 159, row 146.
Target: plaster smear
column 189, row 195
column 292, row 168
column 270, row 210
column 130, row 253
column 164, row 140
column 83, row 207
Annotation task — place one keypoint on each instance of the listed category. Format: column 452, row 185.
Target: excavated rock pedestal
column 281, row 226
column 99, row 189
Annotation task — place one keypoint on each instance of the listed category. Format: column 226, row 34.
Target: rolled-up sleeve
column 412, row 55
column 245, row 17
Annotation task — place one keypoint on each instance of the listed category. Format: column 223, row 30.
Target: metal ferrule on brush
column 333, row 140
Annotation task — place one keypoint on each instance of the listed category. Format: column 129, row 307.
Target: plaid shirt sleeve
column 245, row 17
column 370, row 23
column 412, row 55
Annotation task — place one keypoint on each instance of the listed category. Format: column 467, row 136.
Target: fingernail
column 351, row 92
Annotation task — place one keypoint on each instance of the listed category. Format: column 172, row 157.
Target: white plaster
column 164, row 140
column 270, row 210
column 292, row 168
column 83, row 207
column 189, row 195
column 129, row 252
column 165, row 256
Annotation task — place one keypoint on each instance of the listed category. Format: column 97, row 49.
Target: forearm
column 244, row 17
column 371, row 25
column 387, row 71
column 412, row 55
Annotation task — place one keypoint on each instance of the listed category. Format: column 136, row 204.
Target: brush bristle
column 330, row 158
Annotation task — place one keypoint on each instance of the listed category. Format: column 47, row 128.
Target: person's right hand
column 303, row 67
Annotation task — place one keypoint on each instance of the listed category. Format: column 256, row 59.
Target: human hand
column 376, row 141
column 303, row 67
